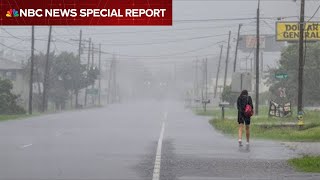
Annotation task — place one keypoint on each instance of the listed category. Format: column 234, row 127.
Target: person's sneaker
column 247, row 143
column 240, row 142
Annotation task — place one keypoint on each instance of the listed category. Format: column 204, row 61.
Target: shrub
column 8, row 101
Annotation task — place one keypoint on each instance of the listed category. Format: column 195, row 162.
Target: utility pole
column 197, row 77
column 92, row 66
column 301, row 64
column 251, row 65
column 206, row 83
column 227, row 62
column 257, row 59
column 202, row 83
column 88, row 68
column 247, row 65
column 261, row 64
column 196, row 80
column 99, row 98
column 78, row 85
column 218, row 72
column 236, row 53
column 109, row 82
column 31, row 70
column 112, row 84
column 46, row 75
column 78, row 73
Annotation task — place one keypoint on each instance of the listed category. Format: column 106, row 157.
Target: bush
column 8, row 101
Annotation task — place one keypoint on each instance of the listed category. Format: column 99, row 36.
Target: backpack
column 248, row 112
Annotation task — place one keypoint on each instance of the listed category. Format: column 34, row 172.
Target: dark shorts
column 242, row 119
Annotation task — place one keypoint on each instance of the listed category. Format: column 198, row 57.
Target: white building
column 14, row 71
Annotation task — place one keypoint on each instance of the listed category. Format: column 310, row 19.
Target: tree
column 288, row 64
column 8, row 101
column 38, row 76
column 63, row 79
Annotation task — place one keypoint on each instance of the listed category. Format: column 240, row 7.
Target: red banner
column 86, row 12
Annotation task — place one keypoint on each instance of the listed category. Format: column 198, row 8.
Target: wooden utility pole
column 109, row 82
column 301, row 64
column 88, row 69
column 112, row 82
column 206, row 83
column 31, row 70
column 236, row 53
column 92, row 67
column 257, row 60
column 79, row 69
column 227, row 62
column 261, row 64
column 92, row 56
column 99, row 98
column 251, row 65
column 202, row 82
column 46, row 75
column 196, row 83
column 218, row 72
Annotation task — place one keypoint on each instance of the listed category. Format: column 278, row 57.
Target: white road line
column 157, row 162
column 25, row 146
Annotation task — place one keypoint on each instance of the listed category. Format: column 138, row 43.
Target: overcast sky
column 196, row 32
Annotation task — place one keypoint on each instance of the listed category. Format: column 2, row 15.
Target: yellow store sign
column 290, row 31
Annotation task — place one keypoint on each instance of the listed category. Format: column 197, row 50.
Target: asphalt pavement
column 122, row 142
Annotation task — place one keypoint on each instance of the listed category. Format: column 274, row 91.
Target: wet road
column 121, row 142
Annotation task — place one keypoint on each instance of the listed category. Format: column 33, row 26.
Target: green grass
column 210, row 112
column 229, row 112
column 4, row 117
column 272, row 128
column 12, row 117
column 306, row 164
column 274, row 133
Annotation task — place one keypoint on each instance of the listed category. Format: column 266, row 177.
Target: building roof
column 6, row 64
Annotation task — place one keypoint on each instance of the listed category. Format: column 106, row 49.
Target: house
column 14, row 71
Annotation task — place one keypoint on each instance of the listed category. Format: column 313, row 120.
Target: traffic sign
column 281, row 76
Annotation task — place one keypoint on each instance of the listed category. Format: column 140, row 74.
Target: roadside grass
column 209, row 112
column 275, row 133
column 6, row 117
column 306, row 164
column 14, row 116
column 265, row 127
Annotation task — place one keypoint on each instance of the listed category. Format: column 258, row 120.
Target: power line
column 314, row 13
column 14, row 49
column 166, row 42
column 12, row 34
column 167, row 55
column 146, row 31
column 134, row 32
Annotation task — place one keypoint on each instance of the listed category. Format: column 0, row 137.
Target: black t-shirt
column 243, row 101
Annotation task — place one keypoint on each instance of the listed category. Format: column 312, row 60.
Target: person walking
column 245, row 111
